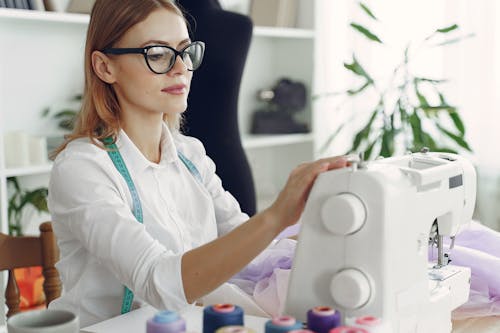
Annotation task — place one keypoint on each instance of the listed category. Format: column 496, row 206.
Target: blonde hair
column 99, row 116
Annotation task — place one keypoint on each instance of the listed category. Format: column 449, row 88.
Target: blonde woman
column 139, row 212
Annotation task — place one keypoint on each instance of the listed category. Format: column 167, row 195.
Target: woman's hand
column 288, row 207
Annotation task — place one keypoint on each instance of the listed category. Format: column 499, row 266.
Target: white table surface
column 135, row 321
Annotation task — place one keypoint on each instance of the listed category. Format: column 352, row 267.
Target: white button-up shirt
column 102, row 245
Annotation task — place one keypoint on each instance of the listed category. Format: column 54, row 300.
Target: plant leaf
column 425, row 79
column 364, row 132
column 447, row 29
column 45, row 112
column 367, row 33
column 66, row 124
column 37, row 198
column 458, row 139
column 454, row 40
column 428, row 141
column 458, row 122
column 66, row 113
column 387, row 146
column 369, row 150
column 352, row 92
column 15, row 183
column 357, row 69
column 367, row 11
column 416, row 127
column 421, row 98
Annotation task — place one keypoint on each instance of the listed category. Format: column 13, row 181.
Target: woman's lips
column 177, row 89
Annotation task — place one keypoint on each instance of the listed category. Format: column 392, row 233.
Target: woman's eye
column 156, row 57
column 158, row 54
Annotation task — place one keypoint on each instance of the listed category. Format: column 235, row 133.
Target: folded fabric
column 278, row 255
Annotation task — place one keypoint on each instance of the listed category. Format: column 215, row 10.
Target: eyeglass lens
column 162, row 59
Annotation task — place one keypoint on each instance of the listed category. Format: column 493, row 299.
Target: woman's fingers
column 334, row 162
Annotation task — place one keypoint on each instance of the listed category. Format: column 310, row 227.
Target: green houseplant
column 411, row 111
column 66, row 116
column 21, row 199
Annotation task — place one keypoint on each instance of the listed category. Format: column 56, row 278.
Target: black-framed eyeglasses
column 161, row 58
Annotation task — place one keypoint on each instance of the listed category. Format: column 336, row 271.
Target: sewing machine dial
column 343, row 214
column 350, row 289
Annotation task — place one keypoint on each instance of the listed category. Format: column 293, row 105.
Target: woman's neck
column 145, row 133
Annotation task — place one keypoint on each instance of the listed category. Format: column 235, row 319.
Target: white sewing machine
column 365, row 236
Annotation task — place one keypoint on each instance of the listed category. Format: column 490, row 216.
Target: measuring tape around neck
column 116, row 157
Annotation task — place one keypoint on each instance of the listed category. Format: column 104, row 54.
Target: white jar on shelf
column 17, row 149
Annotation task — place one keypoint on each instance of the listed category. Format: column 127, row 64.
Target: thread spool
column 220, row 315
column 348, row 329
column 322, row 319
column 282, row 324
column 166, row 322
column 235, row 329
column 370, row 323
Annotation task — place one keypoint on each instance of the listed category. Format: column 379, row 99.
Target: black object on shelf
column 283, row 101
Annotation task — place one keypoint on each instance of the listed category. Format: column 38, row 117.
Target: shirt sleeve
column 89, row 199
column 228, row 213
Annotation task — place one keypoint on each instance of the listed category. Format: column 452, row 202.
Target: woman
column 139, row 62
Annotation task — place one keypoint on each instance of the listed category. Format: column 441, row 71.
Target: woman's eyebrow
column 162, row 42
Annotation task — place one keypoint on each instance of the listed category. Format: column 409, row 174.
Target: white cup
column 43, row 321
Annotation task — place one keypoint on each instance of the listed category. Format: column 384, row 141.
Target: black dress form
column 212, row 114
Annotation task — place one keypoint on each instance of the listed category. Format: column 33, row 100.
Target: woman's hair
column 99, row 116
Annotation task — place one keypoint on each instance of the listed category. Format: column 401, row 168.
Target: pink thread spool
column 282, row 324
column 235, row 329
column 370, row 323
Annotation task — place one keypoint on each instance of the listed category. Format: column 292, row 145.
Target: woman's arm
column 208, row 266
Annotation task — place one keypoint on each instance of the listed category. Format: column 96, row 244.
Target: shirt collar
column 137, row 161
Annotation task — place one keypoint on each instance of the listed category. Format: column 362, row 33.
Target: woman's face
column 137, row 87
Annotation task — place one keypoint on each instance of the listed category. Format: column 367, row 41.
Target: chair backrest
column 17, row 252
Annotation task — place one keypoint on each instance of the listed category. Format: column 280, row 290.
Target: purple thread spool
column 166, row 322
column 322, row 319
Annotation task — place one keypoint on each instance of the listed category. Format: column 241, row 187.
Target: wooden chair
column 17, row 252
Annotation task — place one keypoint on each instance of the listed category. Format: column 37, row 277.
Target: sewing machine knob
column 343, row 214
column 350, row 289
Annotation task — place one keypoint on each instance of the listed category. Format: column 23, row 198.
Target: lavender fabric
column 476, row 246
column 277, row 255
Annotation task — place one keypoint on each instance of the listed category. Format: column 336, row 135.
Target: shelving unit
column 277, row 53
column 43, row 67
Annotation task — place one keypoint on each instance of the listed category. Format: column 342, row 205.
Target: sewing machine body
column 364, row 240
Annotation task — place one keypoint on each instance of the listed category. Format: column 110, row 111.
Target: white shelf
column 26, row 171
column 283, row 32
column 262, row 141
column 43, row 16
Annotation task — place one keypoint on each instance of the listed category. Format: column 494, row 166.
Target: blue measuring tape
column 116, row 157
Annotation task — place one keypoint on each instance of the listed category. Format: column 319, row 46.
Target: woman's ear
column 103, row 67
